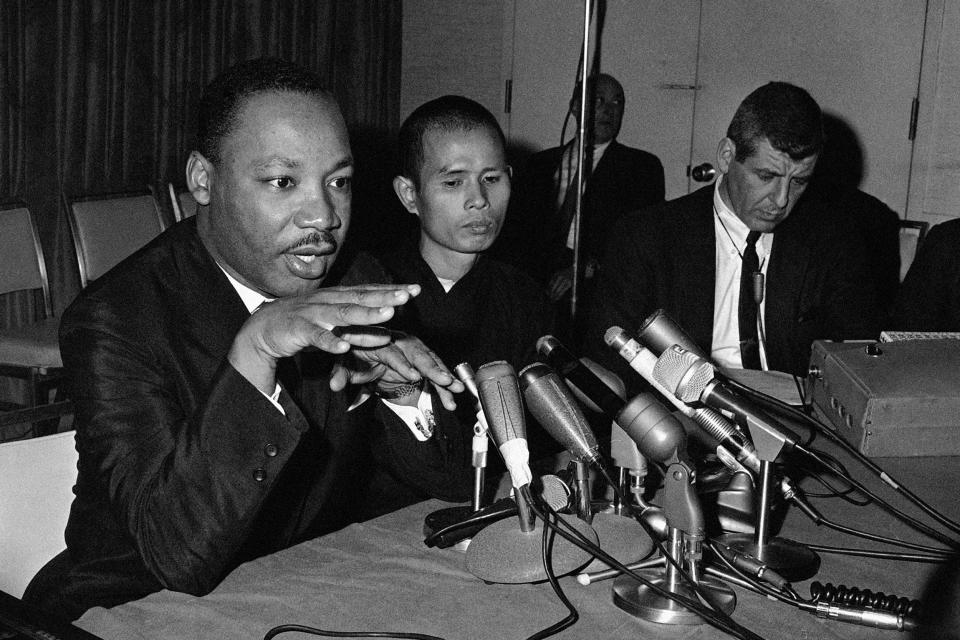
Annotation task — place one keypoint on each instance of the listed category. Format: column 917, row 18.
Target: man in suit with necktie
column 538, row 232
column 746, row 258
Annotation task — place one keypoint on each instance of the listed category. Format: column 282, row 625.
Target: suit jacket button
column 271, row 450
column 259, row 475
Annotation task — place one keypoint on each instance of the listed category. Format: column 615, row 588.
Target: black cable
column 840, row 472
column 716, row 618
column 883, row 555
column 834, row 492
column 800, row 392
column 786, row 409
column 288, row 628
column 866, row 535
column 709, row 615
column 889, row 508
column 759, row 587
column 546, row 554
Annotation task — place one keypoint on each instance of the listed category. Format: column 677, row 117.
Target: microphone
column 730, row 437
column 554, row 407
column 551, row 403
column 478, row 447
column 661, row 437
column 499, row 393
column 643, row 362
column 502, row 552
column 692, row 379
column 656, row 431
column 599, row 396
column 659, row 332
column 442, row 531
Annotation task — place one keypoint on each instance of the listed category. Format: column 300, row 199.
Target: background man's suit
column 664, row 257
column 624, row 180
column 930, row 295
column 186, row 469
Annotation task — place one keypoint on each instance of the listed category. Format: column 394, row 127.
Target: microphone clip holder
column 790, row 559
column 686, row 533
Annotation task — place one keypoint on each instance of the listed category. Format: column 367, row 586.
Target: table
column 379, row 576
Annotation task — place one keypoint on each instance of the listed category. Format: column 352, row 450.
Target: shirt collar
column 251, row 299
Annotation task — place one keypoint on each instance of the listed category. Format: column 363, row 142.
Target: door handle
column 703, row 172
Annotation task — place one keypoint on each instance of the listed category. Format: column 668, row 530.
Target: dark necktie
column 568, row 209
column 749, row 343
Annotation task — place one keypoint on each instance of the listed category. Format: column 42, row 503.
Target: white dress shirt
column 568, row 171
column 731, row 239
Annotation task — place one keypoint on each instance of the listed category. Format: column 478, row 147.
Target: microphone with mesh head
column 692, row 379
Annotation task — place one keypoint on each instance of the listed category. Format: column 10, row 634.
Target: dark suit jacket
column 494, row 312
column 930, row 295
column 625, row 179
column 664, row 257
column 186, row 469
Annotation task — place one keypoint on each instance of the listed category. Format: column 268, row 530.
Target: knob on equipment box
column 890, row 398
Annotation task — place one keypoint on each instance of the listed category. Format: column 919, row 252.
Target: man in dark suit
column 538, row 231
column 929, row 298
column 210, row 370
column 695, row 255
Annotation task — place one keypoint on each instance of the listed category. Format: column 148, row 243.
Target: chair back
column 22, row 266
column 181, row 202
column 911, row 235
column 36, row 491
column 107, row 229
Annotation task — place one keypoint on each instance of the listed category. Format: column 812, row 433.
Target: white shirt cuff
column 419, row 419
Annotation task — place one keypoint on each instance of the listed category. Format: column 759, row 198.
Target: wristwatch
column 399, row 391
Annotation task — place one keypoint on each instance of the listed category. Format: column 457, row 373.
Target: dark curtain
column 99, row 95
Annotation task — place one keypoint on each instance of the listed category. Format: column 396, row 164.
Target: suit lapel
column 696, row 269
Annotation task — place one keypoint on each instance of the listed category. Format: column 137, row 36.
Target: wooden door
column 686, row 64
column 860, row 59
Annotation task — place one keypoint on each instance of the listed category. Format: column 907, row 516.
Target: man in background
column 539, row 236
column 744, row 258
column 929, row 298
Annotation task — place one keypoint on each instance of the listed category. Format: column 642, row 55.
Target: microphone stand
column 479, row 462
column 686, row 533
column 790, row 559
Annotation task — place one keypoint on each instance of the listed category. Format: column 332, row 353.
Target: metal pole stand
column 790, row 559
column 685, row 520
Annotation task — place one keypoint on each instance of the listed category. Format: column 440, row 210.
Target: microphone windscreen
column 616, row 337
column 683, row 373
column 553, row 405
column 658, row 434
column 659, row 332
column 499, row 393
column 554, row 492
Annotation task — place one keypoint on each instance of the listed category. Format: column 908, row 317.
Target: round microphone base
column 790, row 559
column 622, row 537
column 640, row 600
column 503, row 553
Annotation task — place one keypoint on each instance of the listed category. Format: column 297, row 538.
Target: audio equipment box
column 890, row 398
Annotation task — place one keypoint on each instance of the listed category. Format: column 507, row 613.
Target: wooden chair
column 108, row 228
column 181, row 203
column 30, row 352
column 35, row 496
column 911, row 235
